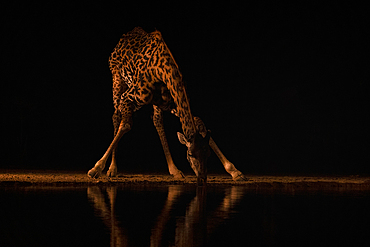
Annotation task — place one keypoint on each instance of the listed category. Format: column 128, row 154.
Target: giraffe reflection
column 192, row 227
column 107, row 213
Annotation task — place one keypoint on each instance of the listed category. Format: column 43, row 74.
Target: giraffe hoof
column 112, row 172
column 240, row 178
column 178, row 175
column 94, row 173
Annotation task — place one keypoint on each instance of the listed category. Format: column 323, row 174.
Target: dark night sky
column 282, row 87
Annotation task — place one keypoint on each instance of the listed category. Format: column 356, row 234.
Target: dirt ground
column 73, row 178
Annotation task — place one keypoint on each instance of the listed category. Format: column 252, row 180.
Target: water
column 179, row 215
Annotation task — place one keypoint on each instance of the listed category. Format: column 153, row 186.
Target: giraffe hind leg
column 112, row 171
column 124, row 126
column 96, row 171
column 119, row 87
column 158, row 123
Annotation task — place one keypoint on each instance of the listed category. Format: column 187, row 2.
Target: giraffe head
column 197, row 154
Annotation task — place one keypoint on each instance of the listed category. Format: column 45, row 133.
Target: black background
column 282, row 87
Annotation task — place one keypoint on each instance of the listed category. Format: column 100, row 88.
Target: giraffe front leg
column 158, row 123
column 229, row 167
column 96, row 171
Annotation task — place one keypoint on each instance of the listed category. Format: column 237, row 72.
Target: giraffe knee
column 157, row 117
column 125, row 126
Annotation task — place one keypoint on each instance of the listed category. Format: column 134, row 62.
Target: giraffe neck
column 184, row 113
column 175, row 84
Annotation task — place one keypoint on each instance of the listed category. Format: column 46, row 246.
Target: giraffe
column 145, row 72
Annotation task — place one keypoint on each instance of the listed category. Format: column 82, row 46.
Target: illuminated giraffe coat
column 145, row 72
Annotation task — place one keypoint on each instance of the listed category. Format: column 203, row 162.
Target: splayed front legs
column 125, row 126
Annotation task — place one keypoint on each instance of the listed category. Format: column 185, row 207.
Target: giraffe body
column 145, row 72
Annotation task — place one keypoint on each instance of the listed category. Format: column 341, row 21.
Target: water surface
column 179, row 215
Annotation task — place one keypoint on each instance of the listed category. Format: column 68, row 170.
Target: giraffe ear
column 182, row 139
